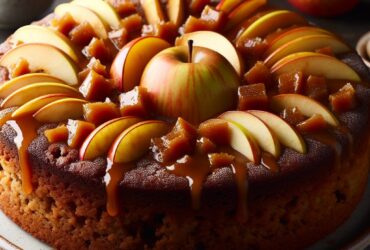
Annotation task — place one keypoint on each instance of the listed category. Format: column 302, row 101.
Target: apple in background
column 194, row 83
column 324, row 8
column 130, row 62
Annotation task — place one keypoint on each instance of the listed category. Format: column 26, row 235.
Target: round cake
column 181, row 124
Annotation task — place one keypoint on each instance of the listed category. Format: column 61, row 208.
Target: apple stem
column 190, row 44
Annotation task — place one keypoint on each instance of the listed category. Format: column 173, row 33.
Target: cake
column 181, row 125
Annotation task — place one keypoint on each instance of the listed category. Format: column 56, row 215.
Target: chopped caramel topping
column 343, row 100
column 252, row 96
column 291, row 83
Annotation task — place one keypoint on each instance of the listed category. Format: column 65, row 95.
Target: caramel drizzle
column 269, row 162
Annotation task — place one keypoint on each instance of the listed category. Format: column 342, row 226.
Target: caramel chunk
column 95, row 65
column 253, row 47
column 64, row 24
column 215, row 130
column 210, row 19
column 344, row 99
column 100, row 112
column 123, row 8
column 205, row 146
column 326, row 51
column 118, row 37
column 95, row 87
column 97, row 48
column 20, row 68
column 259, row 73
column 133, row 102
column 252, row 96
column 196, row 6
column 313, row 124
column 58, row 134
column 132, row 23
column 78, row 132
column 82, row 34
column 166, row 31
column 220, row 159
column 291, row 83
column 292, row 115
column 179, row 142
column 316, row 87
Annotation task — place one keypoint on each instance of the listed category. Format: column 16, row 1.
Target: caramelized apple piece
column 118, row 37
column 123, row 8
column 99, row 112
column 96, row 65
column 220, row 159
column 179, row 142
column 196, row 6
column 259, row 73
column 58, row 134
column 216, row 18
column 205, row 146
column 291, row 83
column 78, row 132
column 253, row 47
column 133, row 103
column 292, row 116
column 95, row 87
column 99, row 49
column 196, row 24
column 166, row 31
column 132, row 23
column 326, row 51
column 313, row 124
column 316, row 87
column 216, row 131
column 252, row 96
column 82, row 34
column 344, row 99
column 64, row 24
column 20, row 68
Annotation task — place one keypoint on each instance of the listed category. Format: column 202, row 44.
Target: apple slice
column 311, row 63
column 270, row 22
column 305, row 105
column 176, row 11
column 153, row 11
column 228, row 5
column 284, row 132
column 103, row 9
column 27, row 93
column 129, row 64
column 219, row 44
column 242, row 12
column 307, row 43
column 60, row 110
column 33, row 105
column 100, row 140
column 41, row 34
column 21, row 81
column 81, row 14
column 256, row 128
column 134, row 142
column 43, row 58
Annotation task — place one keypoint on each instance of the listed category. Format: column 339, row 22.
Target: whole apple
column 193, row 85
column 324, row 8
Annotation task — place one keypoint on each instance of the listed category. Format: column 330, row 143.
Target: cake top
column 189, row 87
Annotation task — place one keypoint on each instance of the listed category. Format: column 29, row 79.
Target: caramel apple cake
column 181, row 124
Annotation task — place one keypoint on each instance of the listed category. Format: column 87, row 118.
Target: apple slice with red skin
column 307, row 106
column 134, row 142
column 153, row 11
column 99, row 141
column 60, row 110
column 27, row 93
column 284, row 132
column 130, row 62
column 317, row 64
column 21, row 81
column 176, row 11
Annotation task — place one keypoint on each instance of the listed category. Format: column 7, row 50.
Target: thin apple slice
column 41, row 34
column 103, row 9
column 228, row 5
column 270, row 22
column 43, row 58
column 99, row 141
column 311, row 63
column 284, row 132
column 129, row 64
column 33, row 105
column 304, row 104
column 219, row 44
column 21, row 81
column 153, row 11
column 60, row 110
column 32, row 91
column 134, row 142
column 81, row 14
column 176, row 11
column 307, row 43
column 265, row 138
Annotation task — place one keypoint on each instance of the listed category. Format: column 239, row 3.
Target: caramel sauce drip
column 240, row 171
column 269, row 162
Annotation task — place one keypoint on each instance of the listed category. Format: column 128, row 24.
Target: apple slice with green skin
column 153, row 11
column 242, row 12
column 252, row 125
column 103, row 9
column 176, row 11
column 134, row 142
column 311, row 63
column 21, row 81
column 81, row 14
column 60, row 110
column 307, row 43
column 33, row 105
column 34, row 90
column 100, row 140
column 53, row 61
column 228, row 5
column 307, row 106
column 270, row 22
column 44, row 35
column 219, row 44
column 284, row 132
column 130, row 62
